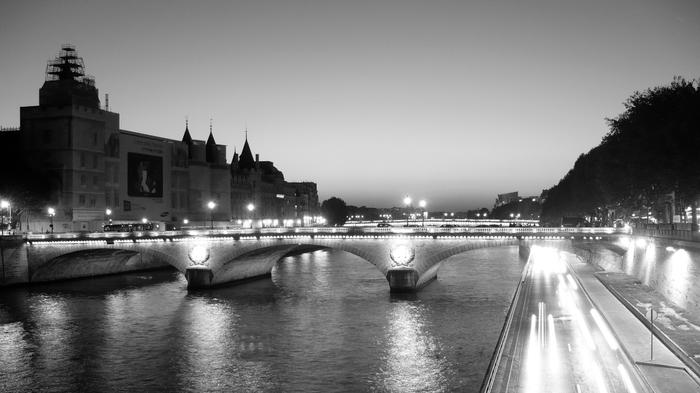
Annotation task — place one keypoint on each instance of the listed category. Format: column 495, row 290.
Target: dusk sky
column 451, row 101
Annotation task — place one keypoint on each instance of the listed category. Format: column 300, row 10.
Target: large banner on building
column 145, row 177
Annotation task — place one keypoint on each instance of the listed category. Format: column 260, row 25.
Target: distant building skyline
column 453, row 102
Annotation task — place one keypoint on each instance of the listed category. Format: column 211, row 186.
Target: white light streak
column 626, row 379
column 609, row 338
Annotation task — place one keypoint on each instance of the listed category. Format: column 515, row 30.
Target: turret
column 246, row 161
column 211, row 150
column 187, row 139
column 234, row 161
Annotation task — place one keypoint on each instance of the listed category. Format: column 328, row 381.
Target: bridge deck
column 372, row 232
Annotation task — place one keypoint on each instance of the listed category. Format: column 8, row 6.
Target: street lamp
column 211, row 205
column 422, row 205
column 250, row 208
column 52, row 212
column 407, row 202
column 108, row 213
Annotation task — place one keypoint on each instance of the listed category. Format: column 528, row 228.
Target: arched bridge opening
column 98, row 262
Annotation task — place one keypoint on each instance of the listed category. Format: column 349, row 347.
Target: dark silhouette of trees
column 650, row 152
column 26, row 188
column 335, row 211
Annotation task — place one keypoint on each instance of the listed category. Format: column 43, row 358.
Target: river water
column 324, row 322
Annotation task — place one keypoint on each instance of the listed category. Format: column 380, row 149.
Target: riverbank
column 678, row 329
column 664, row 372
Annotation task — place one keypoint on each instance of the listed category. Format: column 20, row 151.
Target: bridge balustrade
column 351, row 231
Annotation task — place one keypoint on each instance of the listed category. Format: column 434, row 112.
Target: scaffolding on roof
column 67, row 65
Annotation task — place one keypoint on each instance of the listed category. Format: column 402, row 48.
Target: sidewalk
column 666, row 373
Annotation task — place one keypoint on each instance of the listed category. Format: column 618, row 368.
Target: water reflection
column 325, row 321
column 15, row 358
column 413, row 360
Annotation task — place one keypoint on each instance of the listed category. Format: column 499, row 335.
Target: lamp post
column 52, row 212
column 250, row 208
column 422, row 205
column 211, row 205
column 407, row 202
column 108, row 213
column 5, row 205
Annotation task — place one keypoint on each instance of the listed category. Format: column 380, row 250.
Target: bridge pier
column 198, row 277
column 524, row 250
column 402, row 280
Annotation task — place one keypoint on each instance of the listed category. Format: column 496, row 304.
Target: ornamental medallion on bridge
column 198, row 254
column 402, row 255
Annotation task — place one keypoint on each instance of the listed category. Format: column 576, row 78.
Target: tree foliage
column 335, row 211
column 650, row 151
column 26, row 188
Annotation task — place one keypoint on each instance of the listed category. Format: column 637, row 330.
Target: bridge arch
column 100, row 261
column 258, row 260
column 245, row 260
column 467, row 252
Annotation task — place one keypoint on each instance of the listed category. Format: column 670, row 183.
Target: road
column 559, row 342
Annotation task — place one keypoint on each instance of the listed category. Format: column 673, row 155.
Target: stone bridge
column 408, row 257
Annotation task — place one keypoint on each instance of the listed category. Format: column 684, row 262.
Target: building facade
column 101, row 173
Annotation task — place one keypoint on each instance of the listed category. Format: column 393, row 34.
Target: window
column 94, row 161
column 108, row 199
column 93, row 202
column 95, row 180
column 46, row 136
column 81, row 200
column 116, row 197
column 82, row 160
column 83, row 180
column 94, row 139
column 173, row 200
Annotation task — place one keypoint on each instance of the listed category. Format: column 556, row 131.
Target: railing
column 669, row 231
column 346, row 231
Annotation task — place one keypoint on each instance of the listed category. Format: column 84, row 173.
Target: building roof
column 187, row 138
column 246, row 160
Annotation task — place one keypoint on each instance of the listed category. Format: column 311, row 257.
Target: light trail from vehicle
column 561, row 339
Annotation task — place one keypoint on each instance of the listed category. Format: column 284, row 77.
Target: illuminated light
column 402, row 255
column 641, row 243
column 533, row 363
column 679, row 271
column 583, row 327
column 607, row 334
column 552, row 337
column 670, row 249
column 572, row 282
column 626, row 379
column 144, row 220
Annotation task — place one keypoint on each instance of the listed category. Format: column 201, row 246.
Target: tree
column 649, row 153
column 335, row 211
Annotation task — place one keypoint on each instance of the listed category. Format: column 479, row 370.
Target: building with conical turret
column 261, row 184
column 98, row 173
